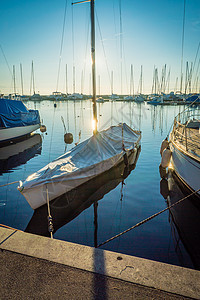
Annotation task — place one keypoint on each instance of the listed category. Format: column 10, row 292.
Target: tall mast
column 93, row 62
column 93, row 66
column 21, row 79
column 14, row 83
column 66, row 87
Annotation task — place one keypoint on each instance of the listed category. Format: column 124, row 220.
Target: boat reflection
column 16, row 154
column 184, row 219
column 68, row 206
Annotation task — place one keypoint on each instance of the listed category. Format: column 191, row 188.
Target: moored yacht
column 185, row 147
column 16, row 120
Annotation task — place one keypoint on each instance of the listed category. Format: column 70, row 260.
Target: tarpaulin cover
column 193, row 98
column 13, row 113
column 85, row 161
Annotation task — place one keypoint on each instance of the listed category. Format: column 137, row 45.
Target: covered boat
column 185, row 147
column 92, row 157
column 16, row 120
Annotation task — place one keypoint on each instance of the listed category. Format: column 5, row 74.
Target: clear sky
column 151, row 36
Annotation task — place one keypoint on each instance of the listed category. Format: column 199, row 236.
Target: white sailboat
column 185, row 147
column 94, row 156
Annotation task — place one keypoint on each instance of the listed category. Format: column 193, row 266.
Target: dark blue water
column 119, row 206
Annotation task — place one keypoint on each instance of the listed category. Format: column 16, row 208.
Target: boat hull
column 185, row 167
column 7, row 134
column 72, row 181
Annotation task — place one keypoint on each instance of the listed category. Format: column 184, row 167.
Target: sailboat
column 184, row 145
column 68, row 206
column 101, row 152
column 16, row 121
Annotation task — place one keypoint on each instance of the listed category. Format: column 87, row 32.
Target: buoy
column 43, row 128
column 68, row 138
column 166, row 155
column 164, row 145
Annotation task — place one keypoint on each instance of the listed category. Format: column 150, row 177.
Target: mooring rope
column 148, row 219
column 8, row 227
column 50, row 220
column 9, row 183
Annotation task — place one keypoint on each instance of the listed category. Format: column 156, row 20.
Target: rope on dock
column 148, row 219
column 8, row 227
column 9, row 183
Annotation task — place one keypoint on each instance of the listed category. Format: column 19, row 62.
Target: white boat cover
column 90, row 158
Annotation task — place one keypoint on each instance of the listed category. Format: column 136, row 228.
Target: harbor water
column 97, row 212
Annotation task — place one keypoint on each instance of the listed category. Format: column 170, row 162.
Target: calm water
column 119, row 206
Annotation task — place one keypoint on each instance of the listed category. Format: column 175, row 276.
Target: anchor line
column 148, row 219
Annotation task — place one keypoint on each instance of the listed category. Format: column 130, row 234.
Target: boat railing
column 186, row 137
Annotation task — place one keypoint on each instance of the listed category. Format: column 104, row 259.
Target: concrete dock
column 36, row 267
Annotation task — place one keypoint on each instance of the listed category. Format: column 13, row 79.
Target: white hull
column 37, row 196
column 186, row 167
column 7, row 134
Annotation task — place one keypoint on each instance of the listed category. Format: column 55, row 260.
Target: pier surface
column 36, row 267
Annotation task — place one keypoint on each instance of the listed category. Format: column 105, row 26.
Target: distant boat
column 114, row 97
column 75, row 96
column 128, row 98
column 185, row 147
column 36, row 97
column 193, row 98
column 139, row 98
column 91, row 158
column 100, row 100
column 16, row 120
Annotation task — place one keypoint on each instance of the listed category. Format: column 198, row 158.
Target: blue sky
column 151, row 36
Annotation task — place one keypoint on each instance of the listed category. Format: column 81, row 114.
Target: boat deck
column 188, row 139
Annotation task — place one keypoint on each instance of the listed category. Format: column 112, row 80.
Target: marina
column 99, row 170
column 121, row 203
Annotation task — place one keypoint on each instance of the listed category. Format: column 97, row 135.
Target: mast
column 66, row 80
column 14, row 83
column 21, row 79
column 93, row 62
column 93, row 66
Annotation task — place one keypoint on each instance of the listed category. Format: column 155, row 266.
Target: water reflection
column 184, row 219
column 19, row 153
column 68, row 206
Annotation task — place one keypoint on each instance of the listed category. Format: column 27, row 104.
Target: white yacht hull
column 186, row 167
column 7, row 134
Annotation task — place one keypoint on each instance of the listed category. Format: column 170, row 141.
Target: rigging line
column 6, row 60
column 103, row 48
column 86, row 51
column 196, row 75
column 196, row 56
column 183, row 33
column 148, row 219
column 61, row 46
column 9, row 183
